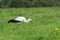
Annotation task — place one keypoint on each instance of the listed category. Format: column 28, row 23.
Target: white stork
column 20, row 19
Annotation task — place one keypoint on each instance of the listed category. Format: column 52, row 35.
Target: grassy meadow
column 46, row 24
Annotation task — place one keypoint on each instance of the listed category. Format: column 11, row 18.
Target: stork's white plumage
column 20, row 19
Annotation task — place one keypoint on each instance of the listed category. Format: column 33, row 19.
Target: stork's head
column 30, row 20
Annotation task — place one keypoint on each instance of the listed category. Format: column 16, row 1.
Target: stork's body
column 19, row 19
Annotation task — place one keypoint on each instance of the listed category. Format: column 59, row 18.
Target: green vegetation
column 29, row 3
column 46, row 24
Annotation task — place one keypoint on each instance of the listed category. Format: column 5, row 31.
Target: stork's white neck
column 28, row 20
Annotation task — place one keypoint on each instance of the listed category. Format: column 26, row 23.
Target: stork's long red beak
column 31, row 22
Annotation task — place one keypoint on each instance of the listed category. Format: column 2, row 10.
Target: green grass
column 45, row 21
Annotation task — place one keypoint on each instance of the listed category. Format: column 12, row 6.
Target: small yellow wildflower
column 56, row 29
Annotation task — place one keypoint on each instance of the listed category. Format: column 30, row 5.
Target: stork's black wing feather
column 13, row 21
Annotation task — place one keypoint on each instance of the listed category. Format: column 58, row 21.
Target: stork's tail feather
column 8, row 21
